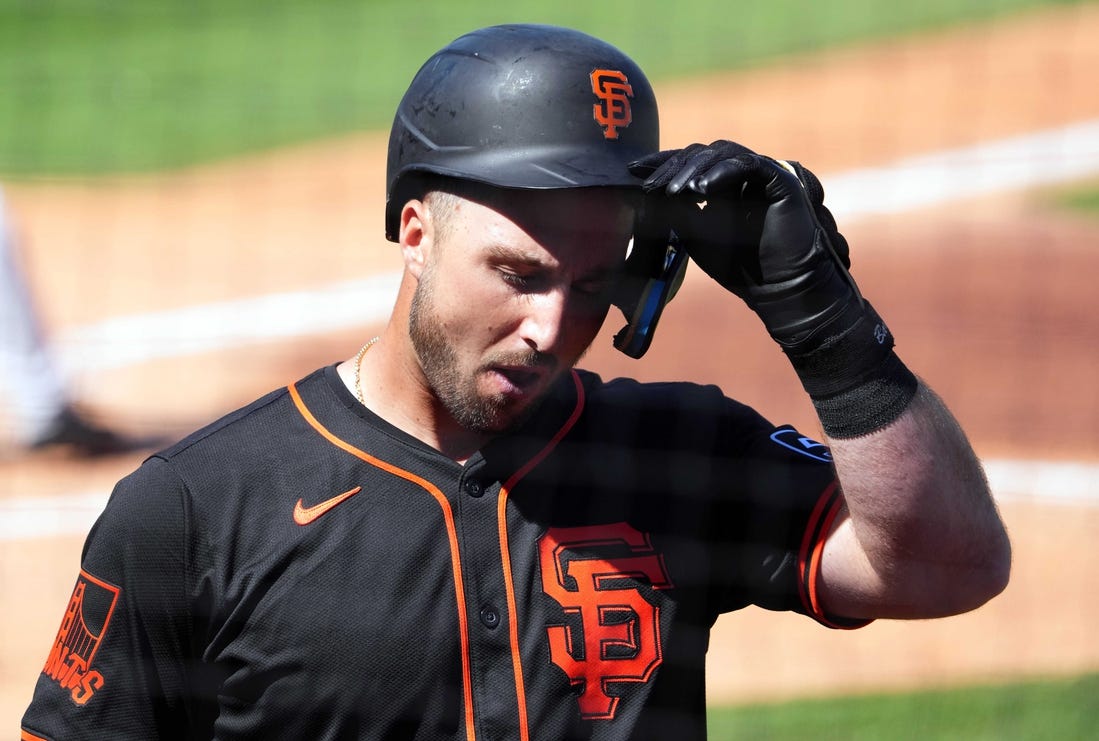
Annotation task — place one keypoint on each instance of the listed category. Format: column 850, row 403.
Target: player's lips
column 520, row 379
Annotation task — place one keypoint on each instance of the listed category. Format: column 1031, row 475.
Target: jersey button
column 489, row 616
column 474, row 488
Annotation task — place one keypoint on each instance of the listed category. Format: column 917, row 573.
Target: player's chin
column 500, row 413
column 507, row 410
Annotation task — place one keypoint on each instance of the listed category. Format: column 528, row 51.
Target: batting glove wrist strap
column 855, row 380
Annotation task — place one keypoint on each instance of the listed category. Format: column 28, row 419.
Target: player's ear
column 415, row 236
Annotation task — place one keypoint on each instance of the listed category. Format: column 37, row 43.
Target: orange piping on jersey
column 814, row 550
column 811, row 538
column 452, row 536
column 505, row 551
column 28, row 736
column 811, row 556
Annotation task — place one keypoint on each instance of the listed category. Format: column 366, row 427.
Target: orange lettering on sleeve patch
column 86, row 619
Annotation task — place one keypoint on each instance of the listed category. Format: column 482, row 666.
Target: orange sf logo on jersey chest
column 612, row 633
column 614, row 91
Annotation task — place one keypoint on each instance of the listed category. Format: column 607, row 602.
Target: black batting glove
column 763, row 234
column 759, row 227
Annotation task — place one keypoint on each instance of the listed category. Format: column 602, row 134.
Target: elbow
column 998, row 567
column 987, row 576
column 979, row 566
column 966, row 580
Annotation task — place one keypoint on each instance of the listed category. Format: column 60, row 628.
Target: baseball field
column 961, row 159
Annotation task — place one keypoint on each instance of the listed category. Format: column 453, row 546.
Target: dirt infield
column 987, row 297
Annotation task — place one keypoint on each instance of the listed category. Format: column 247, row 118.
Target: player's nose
column 545, row 322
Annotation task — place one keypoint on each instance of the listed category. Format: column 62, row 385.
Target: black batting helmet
column 521, row 106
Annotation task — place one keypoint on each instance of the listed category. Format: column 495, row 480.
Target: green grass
column 1057, row 710
column 100, row 86
column 1081, row 198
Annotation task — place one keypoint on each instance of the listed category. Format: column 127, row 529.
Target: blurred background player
column 36, row 407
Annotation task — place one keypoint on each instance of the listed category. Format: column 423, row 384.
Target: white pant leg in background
column 32, row 390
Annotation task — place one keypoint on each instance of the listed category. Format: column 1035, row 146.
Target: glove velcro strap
column 870, row 406
column 857, row 383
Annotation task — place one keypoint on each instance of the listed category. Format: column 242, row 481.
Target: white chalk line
column 1042, row 158
column 1015, row 163
column 1050, row 482
column 137, row 338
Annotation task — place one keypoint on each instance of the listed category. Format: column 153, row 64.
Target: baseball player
column 37, row 409
column 457, row 534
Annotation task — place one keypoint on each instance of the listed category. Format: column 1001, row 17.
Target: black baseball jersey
column 303, row 569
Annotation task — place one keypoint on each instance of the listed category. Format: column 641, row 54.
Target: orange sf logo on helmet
column 614, row 92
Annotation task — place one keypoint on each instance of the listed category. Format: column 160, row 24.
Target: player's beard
column 458, row 394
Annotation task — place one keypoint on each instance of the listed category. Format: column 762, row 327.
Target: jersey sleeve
column 784, row 498
column 118, row 666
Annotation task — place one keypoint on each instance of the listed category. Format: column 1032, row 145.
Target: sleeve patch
column 87, row 618
column 791, row 439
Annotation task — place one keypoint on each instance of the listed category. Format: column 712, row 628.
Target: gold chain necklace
column 358, row 368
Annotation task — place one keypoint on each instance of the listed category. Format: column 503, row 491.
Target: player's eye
column 526, row 282
column 513, row 279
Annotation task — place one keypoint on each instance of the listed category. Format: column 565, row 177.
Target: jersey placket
column 495, row 697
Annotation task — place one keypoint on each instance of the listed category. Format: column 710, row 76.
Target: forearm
column 920, row 513
column 921, row 536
